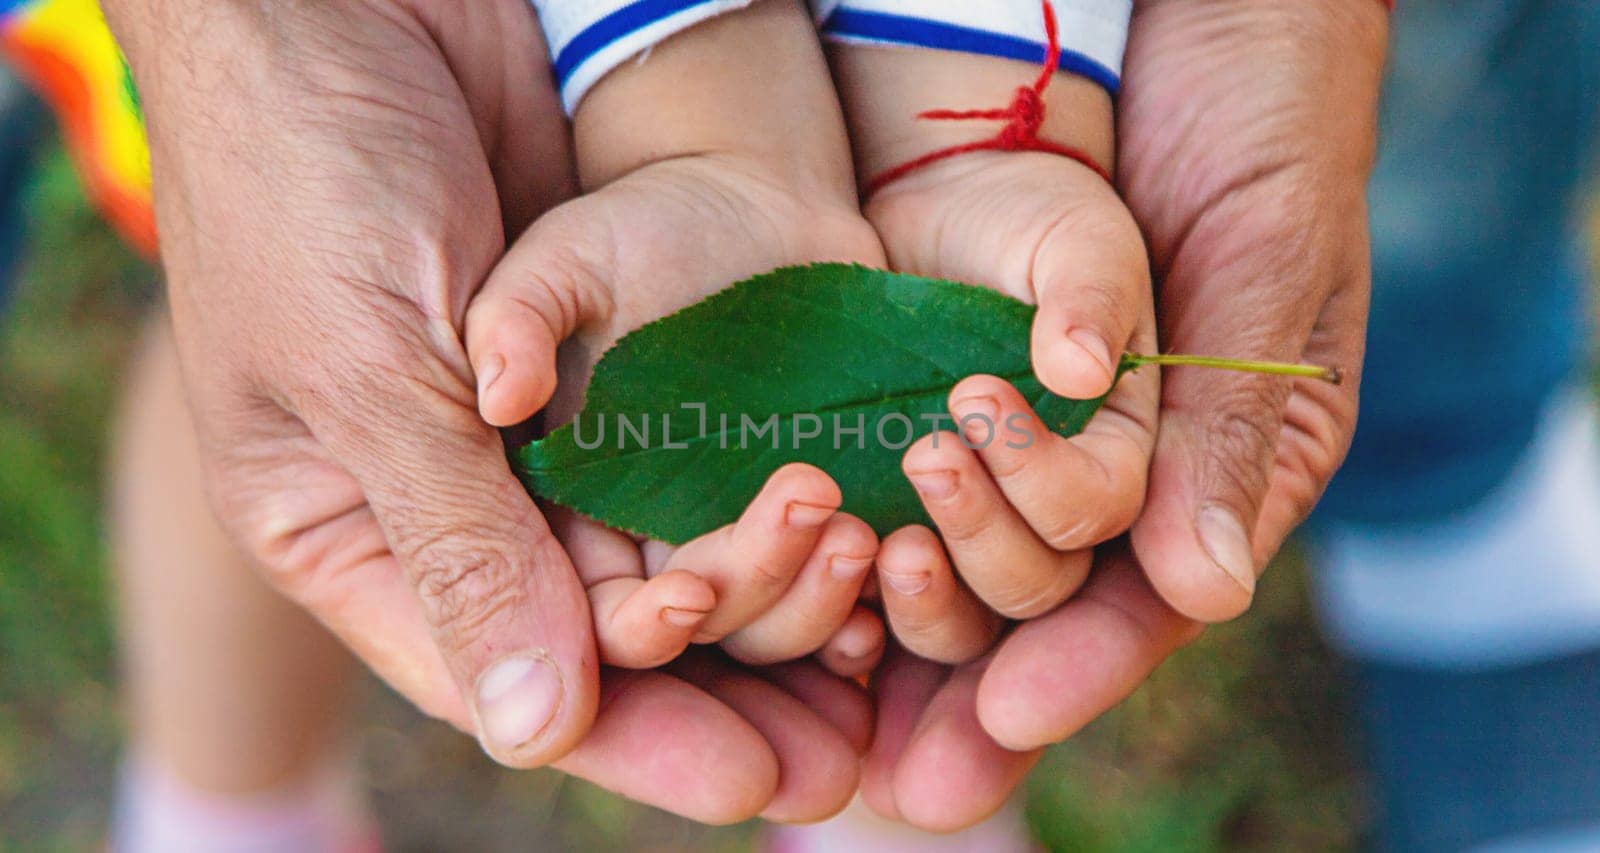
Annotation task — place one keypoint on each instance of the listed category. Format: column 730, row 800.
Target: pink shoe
column 156, row 812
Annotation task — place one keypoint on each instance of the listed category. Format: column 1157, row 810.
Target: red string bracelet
column 1024, row 117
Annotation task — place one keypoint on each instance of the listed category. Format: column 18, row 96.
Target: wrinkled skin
column 1246, row 131
column 333, row 184
column 1245, row 136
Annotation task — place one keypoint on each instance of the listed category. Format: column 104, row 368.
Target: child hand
column 697, row 176
column 1018, row 523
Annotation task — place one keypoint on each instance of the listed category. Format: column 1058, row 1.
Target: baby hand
column 1018, row 523
column 697, row 177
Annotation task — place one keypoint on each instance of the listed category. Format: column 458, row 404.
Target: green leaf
column 822, row 348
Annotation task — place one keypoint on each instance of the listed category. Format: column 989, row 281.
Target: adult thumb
column 1209, row 474
column 505, row 606
column 1241, row 458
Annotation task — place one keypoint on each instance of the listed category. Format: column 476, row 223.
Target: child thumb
column 538, row 294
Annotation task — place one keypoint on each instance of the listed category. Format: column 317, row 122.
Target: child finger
column 752, row 562
column 598, row 553
column 994, row 549
column 656, row 554
column 817, row 603
column 930, row 612
column 641, row 624
column 1074, row 493
column 856, row 648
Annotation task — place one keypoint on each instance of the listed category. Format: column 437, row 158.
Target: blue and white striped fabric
column 588, row 38
column 1093, row 32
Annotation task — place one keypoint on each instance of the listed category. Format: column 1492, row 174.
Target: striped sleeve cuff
column 1093, row 32
column 588, row 38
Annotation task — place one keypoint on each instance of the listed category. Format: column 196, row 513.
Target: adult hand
column 325, row 192
column 1246, row 134
column 326, row 189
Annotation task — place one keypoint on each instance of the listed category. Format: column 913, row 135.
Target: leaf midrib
column 712, row 434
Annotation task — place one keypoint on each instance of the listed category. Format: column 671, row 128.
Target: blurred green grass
column 1238, row 743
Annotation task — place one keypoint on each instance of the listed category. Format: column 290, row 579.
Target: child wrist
column 1093, row 34
column 886, row 90
column 751, row 84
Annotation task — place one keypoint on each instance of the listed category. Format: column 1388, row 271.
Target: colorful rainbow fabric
column 64, row 50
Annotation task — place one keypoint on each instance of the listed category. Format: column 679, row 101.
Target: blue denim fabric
column 1464, row 758
column 1479, row 276
column 1479, row 316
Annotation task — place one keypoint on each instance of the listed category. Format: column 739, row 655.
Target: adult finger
column 662, row 741
column 951, row 773
column 307, row 523
column 507, row 611
column 1318, row 423
column 837, row 699
column 1055, row 674
column 817, row 764
column 977, row 732
column 902, row 686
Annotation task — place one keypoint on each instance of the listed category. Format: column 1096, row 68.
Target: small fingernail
column 908, row 584
column 978, row 418
column 493, row 366
column 978, row 407
column 681, row 618
column 848, row 568
column 516, row 698
column 1226, row 542
column 1093, row 345
column 936, row 485
column 855, row 644
column 807, row 515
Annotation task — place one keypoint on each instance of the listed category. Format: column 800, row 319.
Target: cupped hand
column 326, row 196
column 1245, row 135
column 1247, row 132
column 697, row 176
column 333, row 183
column 1018, row 519
column 779, row 582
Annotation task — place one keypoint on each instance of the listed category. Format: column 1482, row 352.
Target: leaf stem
column 1308, row 371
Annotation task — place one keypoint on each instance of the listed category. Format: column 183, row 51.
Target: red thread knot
column 1023, row 118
